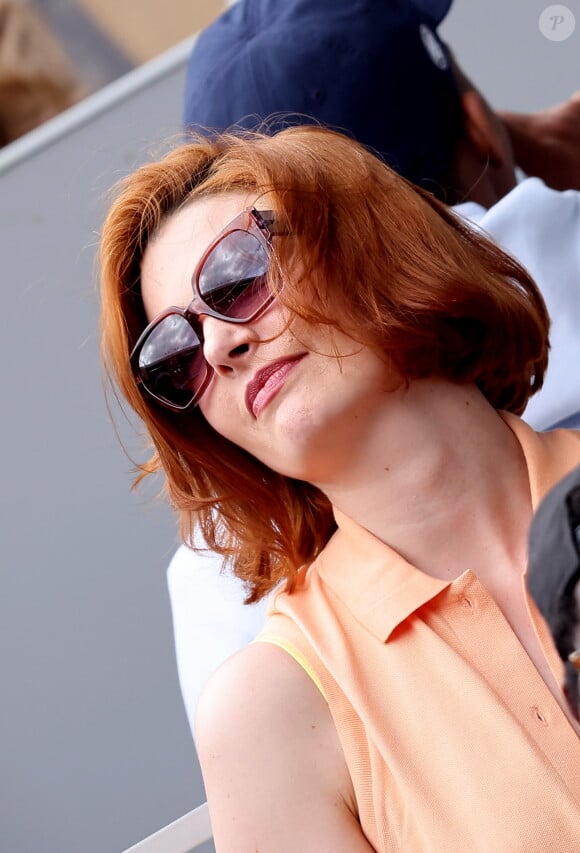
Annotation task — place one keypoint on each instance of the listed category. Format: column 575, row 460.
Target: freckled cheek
column 238, row 428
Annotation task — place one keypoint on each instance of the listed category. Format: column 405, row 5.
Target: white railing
column 182, row 836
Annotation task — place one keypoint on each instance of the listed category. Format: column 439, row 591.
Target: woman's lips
column 267, row 382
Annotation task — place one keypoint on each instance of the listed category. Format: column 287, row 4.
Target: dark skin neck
column 483, row 168
column 478, row 178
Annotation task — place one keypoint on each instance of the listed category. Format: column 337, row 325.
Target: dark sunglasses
column 230, row 283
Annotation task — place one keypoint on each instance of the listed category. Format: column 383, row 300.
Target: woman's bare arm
column 275, row 775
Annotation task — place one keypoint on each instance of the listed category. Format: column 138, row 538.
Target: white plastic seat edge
column 180, row 836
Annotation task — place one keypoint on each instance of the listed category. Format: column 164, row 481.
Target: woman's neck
column 440, row 478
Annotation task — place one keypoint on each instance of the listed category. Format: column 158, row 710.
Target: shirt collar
column 379, row 587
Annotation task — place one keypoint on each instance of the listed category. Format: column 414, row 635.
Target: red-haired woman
column 330, row 366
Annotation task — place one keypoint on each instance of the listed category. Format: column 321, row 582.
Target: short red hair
column 387, row 264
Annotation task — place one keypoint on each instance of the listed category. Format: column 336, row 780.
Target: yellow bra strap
column 294, row 653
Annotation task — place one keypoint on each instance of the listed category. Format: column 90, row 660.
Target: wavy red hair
column 387, row 264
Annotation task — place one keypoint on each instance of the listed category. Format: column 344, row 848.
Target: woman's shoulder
column 251, row 692
column 269, row 751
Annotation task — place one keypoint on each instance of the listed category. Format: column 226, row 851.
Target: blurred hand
column 547, row 144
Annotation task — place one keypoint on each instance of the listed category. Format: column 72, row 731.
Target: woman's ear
column 484, row 130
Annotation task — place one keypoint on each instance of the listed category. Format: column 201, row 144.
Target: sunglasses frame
column 260, row 223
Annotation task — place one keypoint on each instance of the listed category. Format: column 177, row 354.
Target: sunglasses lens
column 171, row 362
column 232, row 280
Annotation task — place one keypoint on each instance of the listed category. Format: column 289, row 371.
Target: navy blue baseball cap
column 375, row 69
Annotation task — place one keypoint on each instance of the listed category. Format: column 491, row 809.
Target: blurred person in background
column 554, row 574
column 37, row 80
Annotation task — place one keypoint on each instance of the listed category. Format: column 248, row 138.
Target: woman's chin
column 299, row 445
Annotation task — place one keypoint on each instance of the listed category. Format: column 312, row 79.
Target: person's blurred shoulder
column 530, row 201
column 210, row 620
column 554, row 573
column 540, row 227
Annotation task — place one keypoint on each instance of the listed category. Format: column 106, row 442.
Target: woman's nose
column 225, row 344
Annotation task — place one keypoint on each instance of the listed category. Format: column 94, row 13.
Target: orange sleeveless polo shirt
column 454, row 742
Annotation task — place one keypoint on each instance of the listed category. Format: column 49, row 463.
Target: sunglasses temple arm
column 267, row 219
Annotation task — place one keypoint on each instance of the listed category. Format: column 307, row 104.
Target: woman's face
column 279, row 392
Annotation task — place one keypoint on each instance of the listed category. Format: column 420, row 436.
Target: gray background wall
column 95, row 750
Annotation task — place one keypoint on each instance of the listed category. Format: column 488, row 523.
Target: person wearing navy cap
column 378, row 70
